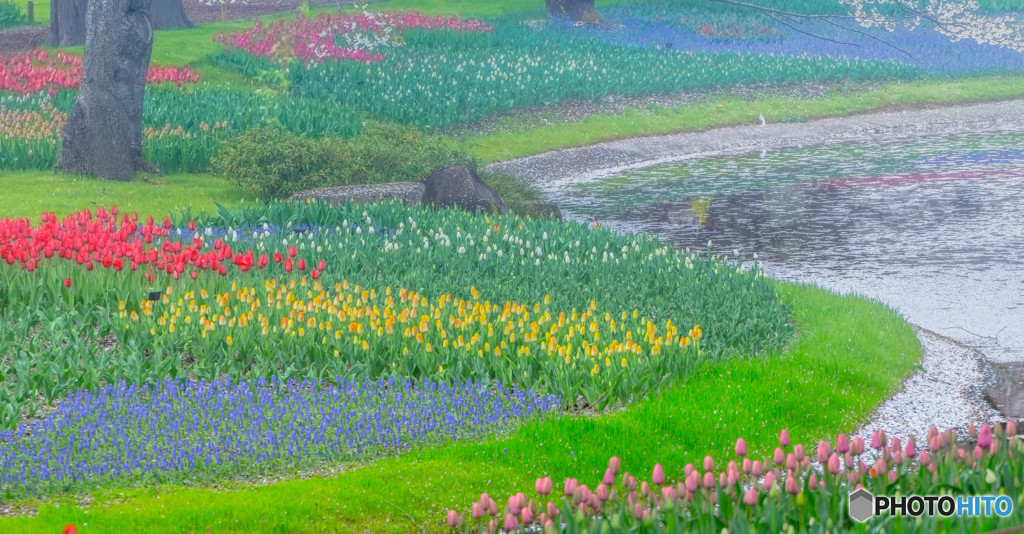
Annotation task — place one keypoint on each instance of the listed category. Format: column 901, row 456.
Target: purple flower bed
column 932, row 53
column 195, row 427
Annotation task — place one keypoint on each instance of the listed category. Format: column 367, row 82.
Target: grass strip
column 731, row 111
column 849, row 354
column 30, row 193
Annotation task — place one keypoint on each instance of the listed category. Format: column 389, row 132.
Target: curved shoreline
column 947, row 390
column 609, row 157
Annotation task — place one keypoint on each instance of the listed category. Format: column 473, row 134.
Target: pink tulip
column 492, row 507
column 892, row 476
column 527, row 516
column 723, row 480
column 833, row 464
column 609, row 477
column 897, row 458
column 602, row 492
column 552, row 510
column 791, row 486
column 757, row 468
column 925, row 459
column 985, row 437
column 511, row 523
column 692, row 481
column 750, row 498
column 812, row 482
column 769, row 480
column 779, row 456
column 549, row 526
column 668, row 493
column 876, row 440
column 1011, row 428
column 658, row 477
column 615, row 465
column 784, row 438
column 709, row 480
column 453, row 518
column 570, row 486
column 645, row 488
column 747, row 466
column 799, row 452
column 842, row 445
column 492, row 525
column 741, row 447
column 709, row 463
column 972, row 431
column 823, row 452
column 732, row 478
column 630, row 482
column 477, row 510
column 857, row 445
column 848, row 460
column 911, row 450
column 896, row 444
column 638, row 511
column 880, row 466
column 687, row 470
column 539, row 486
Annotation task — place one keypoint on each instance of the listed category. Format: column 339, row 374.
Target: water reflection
column 934, row 228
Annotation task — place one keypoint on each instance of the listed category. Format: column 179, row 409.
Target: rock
column 543, row 210
column 410, row 193
column 459, row 186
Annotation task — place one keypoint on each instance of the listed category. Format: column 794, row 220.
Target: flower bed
column 43, row 71
column 189, row 429
column 361, row 292
column 801, row 490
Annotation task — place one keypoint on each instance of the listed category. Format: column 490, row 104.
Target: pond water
column 934, row 227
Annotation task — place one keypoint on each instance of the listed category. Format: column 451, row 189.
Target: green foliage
column 275, row 163
column 10, row 14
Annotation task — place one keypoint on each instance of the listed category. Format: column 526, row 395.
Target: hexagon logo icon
column 862, row 505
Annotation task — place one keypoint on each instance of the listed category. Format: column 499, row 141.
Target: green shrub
column 10, row 14
column 275, row 163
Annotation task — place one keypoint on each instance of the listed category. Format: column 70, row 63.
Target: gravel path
column 946, row 392
column 612, row 157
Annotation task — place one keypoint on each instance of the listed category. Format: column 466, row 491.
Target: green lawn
column 849, row 354
column 29, row 194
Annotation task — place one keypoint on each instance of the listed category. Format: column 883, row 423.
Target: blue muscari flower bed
column 932, row 53
column 190, row 427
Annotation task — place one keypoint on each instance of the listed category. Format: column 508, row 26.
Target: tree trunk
column 67, row 19
column 578, row 10
column 169, row 14
column 67, row 22
column 103, row 135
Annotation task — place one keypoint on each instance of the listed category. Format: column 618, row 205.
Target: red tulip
column 67, row 283
column 70, row 529
column 302, row 264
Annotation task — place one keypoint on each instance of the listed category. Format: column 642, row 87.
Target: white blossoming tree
column 956, row 19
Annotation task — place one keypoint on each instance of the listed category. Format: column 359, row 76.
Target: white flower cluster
column 956, row 19
column 371, row 40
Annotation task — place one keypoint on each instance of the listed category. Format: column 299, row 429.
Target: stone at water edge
column 459, row 186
